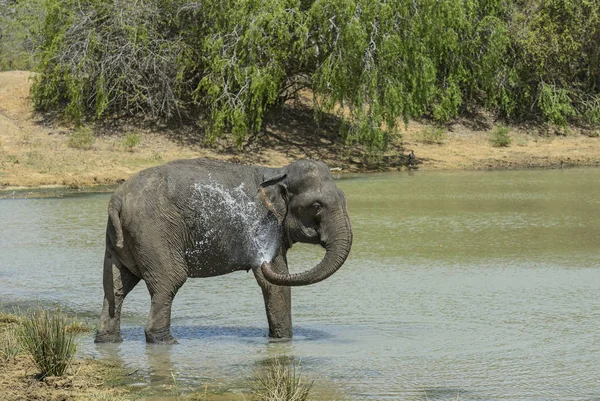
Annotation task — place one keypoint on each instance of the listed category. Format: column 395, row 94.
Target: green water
column 468, row 285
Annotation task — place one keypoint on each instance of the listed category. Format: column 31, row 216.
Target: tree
column 228, row 64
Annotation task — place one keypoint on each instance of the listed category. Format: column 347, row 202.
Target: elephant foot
column 160, row 337
column 107, row 337
column 280, row 334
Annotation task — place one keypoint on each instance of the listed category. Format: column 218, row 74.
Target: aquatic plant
column 45, row 339
column 280, row 380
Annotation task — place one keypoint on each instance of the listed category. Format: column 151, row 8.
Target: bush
column 45, row 339
column 280, row 381
column 131, row 141
column 82, row 138
column 499, row 137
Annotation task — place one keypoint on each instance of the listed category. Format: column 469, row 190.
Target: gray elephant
column 203, row 218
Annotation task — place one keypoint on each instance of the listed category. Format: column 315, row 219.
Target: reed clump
column 280, row 380
column 46, row 340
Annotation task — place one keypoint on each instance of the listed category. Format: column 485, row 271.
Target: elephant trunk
column 337, row 248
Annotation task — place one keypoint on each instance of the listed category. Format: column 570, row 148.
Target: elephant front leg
column 118, row 282
column 278, row 301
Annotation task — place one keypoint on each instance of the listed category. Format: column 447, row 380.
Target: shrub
column 279, row 380
column 45, row 339
column 131, row 141
column 82, row 138
column 432, row 135
column 499, row 137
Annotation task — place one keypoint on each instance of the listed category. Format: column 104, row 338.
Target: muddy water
column 468, row 285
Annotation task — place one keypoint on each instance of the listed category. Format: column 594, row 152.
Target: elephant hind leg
column 158, row 328
column 118, row 282
column 162, row 291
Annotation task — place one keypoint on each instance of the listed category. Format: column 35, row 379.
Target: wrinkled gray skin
column 158, row 232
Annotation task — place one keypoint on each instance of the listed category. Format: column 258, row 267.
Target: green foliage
column 432, row 135
column 252, row 54
column 499, row 137
column 557, row 60
column 82, row 138
column 19, row 33
column 229, row 64
column 109, row 58
column 45, row 339
column 131, row 140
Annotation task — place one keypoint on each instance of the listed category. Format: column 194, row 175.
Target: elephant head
column 310, row 208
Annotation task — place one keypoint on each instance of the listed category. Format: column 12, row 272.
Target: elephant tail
column 114, row 209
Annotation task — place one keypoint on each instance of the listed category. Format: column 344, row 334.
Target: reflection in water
column 476, row 285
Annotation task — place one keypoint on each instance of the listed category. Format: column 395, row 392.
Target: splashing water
column 232, row 218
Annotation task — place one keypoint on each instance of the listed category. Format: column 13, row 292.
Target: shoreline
column 40, row 154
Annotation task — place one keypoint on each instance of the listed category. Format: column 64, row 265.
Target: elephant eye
column 316, row 207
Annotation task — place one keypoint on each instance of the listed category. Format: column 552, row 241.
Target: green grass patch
column 82, row 138
column 499, row 137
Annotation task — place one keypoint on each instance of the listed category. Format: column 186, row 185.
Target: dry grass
column 10, row 318
column 78, row 327
column 9, row 345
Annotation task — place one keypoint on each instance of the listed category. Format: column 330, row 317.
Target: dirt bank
column 35, row 152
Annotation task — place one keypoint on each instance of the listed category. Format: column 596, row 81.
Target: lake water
column 460, row 285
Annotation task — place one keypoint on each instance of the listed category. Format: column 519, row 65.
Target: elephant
column 205, row 218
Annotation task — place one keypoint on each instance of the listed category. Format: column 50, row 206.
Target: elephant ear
column 274, row 195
